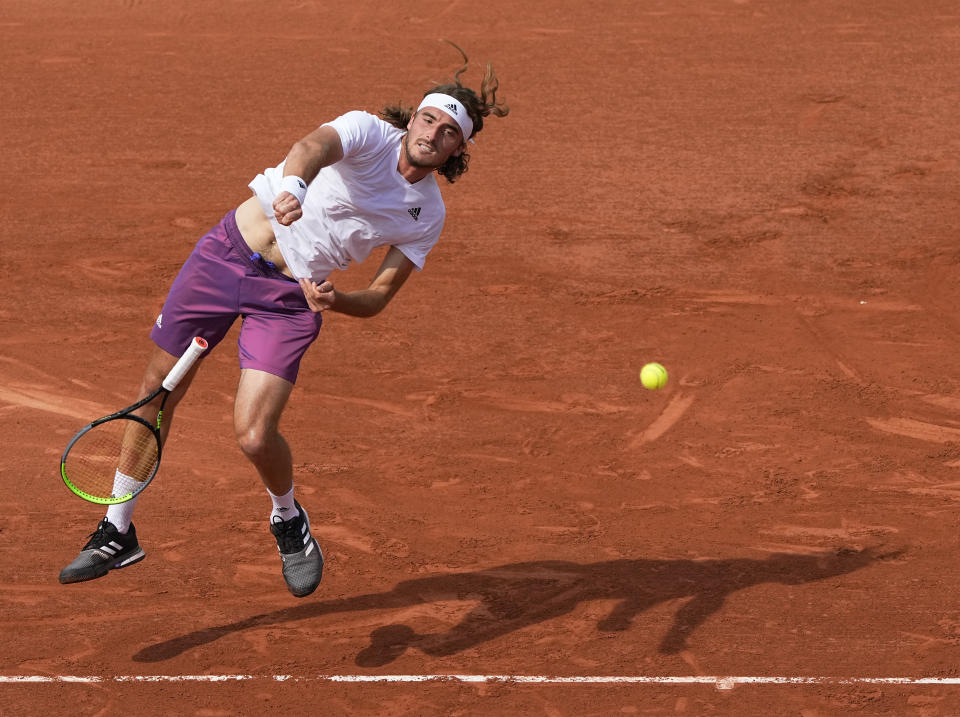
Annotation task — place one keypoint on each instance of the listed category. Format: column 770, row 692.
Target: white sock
column 283, row 507
column 120, row 514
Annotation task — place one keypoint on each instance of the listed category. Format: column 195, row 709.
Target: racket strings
column 113, row 459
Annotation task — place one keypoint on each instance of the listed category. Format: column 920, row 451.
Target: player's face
column 432, row 138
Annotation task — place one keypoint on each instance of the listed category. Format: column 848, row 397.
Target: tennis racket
column 114, row 458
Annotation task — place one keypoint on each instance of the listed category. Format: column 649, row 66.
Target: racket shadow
column 515, row 596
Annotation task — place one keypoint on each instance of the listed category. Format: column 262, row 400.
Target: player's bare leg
column 261, row 398
column 161, row 361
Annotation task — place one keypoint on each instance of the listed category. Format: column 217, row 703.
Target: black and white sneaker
column 107, row 549
column 300, row 553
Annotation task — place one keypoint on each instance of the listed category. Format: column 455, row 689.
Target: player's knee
column 255, row 441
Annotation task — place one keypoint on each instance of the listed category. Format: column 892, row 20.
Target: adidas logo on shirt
column 415, row 213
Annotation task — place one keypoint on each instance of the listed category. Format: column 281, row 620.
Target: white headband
column 453, row 107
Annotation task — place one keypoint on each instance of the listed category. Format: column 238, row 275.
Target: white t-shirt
column 357, row 204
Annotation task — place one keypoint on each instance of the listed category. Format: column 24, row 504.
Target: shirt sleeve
column 417, row 250
column 358, row 131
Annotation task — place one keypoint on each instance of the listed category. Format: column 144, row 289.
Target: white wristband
column 296, row 186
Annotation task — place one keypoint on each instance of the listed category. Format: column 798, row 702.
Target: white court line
column 720, row 682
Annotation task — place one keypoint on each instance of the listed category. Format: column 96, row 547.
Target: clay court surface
column 764, row 196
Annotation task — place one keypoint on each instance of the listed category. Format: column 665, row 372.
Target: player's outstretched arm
column 393, row 272
column 307, row 157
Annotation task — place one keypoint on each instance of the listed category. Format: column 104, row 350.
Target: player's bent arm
column 393, row 272
column 308, row 156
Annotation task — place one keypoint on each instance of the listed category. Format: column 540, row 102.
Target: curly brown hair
column 478, row 106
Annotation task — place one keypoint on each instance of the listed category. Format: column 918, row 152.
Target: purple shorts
column 221, row 280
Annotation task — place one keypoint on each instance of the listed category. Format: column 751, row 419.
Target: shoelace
column 99, row 537
column 289, row 535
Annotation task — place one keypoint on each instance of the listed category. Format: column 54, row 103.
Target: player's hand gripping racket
column 114, row 458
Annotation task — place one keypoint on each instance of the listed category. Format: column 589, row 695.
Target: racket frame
column 184, row 364
column 125, row 414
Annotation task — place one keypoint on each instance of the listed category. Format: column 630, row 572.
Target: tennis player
column 354, row 184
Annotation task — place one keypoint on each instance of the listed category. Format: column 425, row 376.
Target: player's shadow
column 515, row 596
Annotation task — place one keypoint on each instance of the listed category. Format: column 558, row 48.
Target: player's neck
column 410, row 172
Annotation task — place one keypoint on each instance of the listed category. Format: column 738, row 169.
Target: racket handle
column 190, row 356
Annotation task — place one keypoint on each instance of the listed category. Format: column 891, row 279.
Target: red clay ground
column 761, row 195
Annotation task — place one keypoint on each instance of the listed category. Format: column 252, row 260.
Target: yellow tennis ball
column 653, row 376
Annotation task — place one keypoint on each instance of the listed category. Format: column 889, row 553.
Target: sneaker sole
column 99, row 570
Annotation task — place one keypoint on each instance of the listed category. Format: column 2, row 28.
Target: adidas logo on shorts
column 160, row 321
